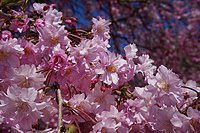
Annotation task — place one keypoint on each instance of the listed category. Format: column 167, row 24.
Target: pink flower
column 191, row 94
column 180, row 122
column 110, row 121
column 161, row 118
column 20, row 23
column 10, row 54
column 146, row 66
column 83, row 84
column 70, row 75
column 30, row 52
column 100, row 100
column 51, row 36
column 127, row 72
column 100, row 42
column 27, row 76
column 109, row 67
column 136, row 111
column 107, row 126
column 80, row 101
column 130, row 51
column 167, row 80
column 112, row 113
column 147, row 93
column 101, row 28
column 39, row 7
column 194, row 114
column 166, row 100
column 59, row 60
column 39, row 23
column 87, row 53
column 19, row 106
column 5, row 35
column 53, row 17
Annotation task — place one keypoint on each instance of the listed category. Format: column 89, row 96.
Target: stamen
column 54, row 40
column 22, row 106
column 99, row 29
column 111, row 68
column 163, row 85
column 27, row 51
column 3, row 55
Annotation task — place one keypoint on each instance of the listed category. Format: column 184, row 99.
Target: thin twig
column 70, row 95
column 4, row 15
column 75, row 36
column 79, row 130
column 190, row 89
column 49, row 74
column 79, row 30
column 87, row 115
column 60, row 102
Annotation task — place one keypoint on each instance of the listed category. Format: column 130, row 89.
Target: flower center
column 85, row 77
column 27, row 51
column 68, row 72
column 111, row 68
column 103, row 130
column 194, row 123
column 99, row 29
column 168, row 125
column 25, row 83
column 53, row 40
column 100, row 99
column 22, row 106
column 163, row 85
column 3, row 55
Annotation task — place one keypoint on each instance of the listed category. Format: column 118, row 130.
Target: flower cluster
column 100, row 90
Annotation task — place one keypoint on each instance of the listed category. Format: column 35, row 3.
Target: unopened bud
column 68, row 21
column 46, row 7
column 73, row 19
column 103, row 88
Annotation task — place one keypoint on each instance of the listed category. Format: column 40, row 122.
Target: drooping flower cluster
column 99, row 89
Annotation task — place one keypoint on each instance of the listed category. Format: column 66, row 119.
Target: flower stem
column 59, row 110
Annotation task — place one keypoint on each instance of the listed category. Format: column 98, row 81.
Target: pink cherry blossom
column 5, row 35
column 30, row 52
column 130, row 51
column 26, row 76
column 19, row 106
column 167, row 80
column 100, row 28
column 53, row 17
column 100, row 100
column 109, row 121
column 87, row 52
column 51, row 36
column 39, row 23
column 161, row 118
column 10, row 53
column 80, row 101
column 20, row 23
column 146, row 66
column 58, row 77
column 192, row 94
column 195, row 118
column 59, row 60
column 39, row 7
column 109, row 68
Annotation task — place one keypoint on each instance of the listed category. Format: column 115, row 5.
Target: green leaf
column 70, row 129
column 24, row 5
column 9, row 3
